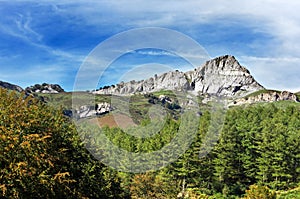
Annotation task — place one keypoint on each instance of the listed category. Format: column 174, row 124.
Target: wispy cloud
column 271, row 59
column 24, row 26
column 21, row 28
column 154, row 52
column 275, row 72
column 265, row 35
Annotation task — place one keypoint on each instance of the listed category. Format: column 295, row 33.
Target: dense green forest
column 43, row 155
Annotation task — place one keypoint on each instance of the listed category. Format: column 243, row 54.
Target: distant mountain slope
column 220, row 76
column 266, row 96
column 10, row 86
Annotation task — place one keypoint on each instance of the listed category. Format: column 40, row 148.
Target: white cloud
column 279, row 19
column 24, row 25
column 154, row 53
column 279, row 73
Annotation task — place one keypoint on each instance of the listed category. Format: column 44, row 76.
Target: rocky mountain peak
column 44, row 88
column 223, row 76
column 224, row 63
column 220, row 76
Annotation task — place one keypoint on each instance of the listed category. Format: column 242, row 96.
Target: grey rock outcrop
column 44, row 88
column 268, row 96
column 223, row 76
column 90, row 111
column 173, row 80
column 220, row 76
column 165, row 99
column 10, row 86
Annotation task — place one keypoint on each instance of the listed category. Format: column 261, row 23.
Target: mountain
column 44, row 88
column 10, row 86
column 222, row 76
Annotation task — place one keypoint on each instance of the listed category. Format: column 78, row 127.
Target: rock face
column 89, row 111
column 223, row 76
column 173, row 80
column 269, row 96
column 220, row 76
column 9, row 86
column 165, row 99
column 44, row 88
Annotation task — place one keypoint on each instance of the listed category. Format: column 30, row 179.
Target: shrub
column 259, row 192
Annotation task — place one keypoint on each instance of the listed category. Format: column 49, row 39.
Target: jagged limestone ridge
column 220, row 76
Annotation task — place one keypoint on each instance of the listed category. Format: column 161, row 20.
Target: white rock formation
column 223, row 76
column 89, row 111
column 44, row 88
column 165, row 99
column 220, row 76
column 268, row 96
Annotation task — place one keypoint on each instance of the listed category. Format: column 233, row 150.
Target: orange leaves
column 3, row 188
column 50, row 163
column 62, row 177
column 25, row 144
column 32, row 136
column 34, row 140
column 21, row 164
column 44, row 137
column 3, row 137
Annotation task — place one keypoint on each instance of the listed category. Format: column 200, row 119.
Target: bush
column 259, row 192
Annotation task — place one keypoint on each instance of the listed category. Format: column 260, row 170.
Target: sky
column 49, row 41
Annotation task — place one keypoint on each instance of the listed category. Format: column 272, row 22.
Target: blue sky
column 48, row 41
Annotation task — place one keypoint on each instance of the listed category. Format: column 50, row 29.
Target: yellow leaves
column 42, row 181
column 27, row 133
column 25, row 144
column 36, row 137
column 6, row 148
column 32, row 136
column 61, row 177
column 50, row 163
column 63, row 150
column 3, row 188
column 21, row 164
column 3, row 137
column 44, row 137
column 18, row 169
column 11, row 146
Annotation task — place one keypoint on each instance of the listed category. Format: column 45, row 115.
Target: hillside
column 255, row 153
column 10, row 86
column 222, row 77
column 257, row 145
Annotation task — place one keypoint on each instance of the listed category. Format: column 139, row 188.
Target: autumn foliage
column 41, row 155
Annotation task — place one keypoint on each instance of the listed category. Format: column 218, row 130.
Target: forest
column 44, row 155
